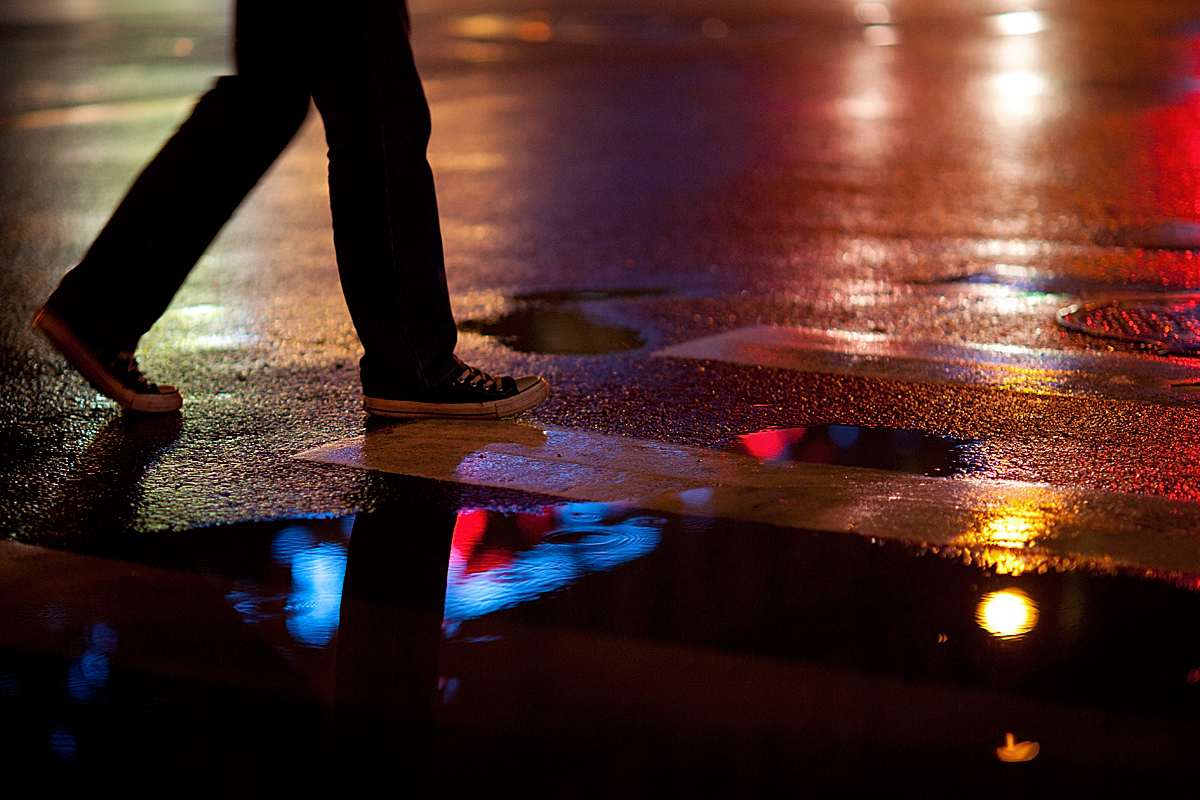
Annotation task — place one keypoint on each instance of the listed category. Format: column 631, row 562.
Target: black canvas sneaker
column 469, row 393
column 114, row 374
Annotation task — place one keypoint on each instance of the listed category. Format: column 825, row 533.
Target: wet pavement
column 825, row 495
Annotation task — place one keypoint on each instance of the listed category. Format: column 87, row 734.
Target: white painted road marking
column 1009, row 525
column 1121, row 376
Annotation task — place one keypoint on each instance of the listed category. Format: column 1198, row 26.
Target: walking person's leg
column 385, row 217
column 361, row 73
column 176, row 207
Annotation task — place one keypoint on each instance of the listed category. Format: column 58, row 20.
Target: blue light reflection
column 560, row 545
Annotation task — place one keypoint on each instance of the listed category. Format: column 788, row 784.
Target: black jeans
column 352, row 57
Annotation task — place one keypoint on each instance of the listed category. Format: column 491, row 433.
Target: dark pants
column 352, row 57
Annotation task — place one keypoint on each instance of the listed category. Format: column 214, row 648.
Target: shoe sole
column 55, row 328
column 496, row 409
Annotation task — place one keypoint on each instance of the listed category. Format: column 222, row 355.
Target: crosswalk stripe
column 1121, row 376
column 1006, row 525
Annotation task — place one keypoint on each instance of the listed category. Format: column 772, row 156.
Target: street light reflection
column 1018, row 23
column 1007, row 614
column 1010, row 531
column 1003, row 539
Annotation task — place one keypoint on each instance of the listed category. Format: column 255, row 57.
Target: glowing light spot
column 1018, row 23
column 1019, row 84
column 1007, row 614
column 182, row 47
column 870, row 105
column 1013, row 751
column 481, row 26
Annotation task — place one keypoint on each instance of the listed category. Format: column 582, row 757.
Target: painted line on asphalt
column 1121, row 376
column 1008, row 525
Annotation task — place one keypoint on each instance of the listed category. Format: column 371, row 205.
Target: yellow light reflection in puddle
column 1014, row 752
column 1003, row 539
column 1009, row 531
column 1007, row 614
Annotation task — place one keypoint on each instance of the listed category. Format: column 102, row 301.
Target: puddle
column 590, row 627
column 552, row 322
column 534, row 329
column 894, row 449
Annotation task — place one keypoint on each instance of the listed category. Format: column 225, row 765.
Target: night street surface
column 824, row 499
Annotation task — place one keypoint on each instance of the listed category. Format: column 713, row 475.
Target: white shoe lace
column 478, row 379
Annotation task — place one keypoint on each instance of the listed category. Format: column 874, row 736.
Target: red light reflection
column 771, row 444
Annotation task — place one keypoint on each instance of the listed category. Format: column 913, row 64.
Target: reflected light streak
column 870, row 94
column 532, row 27
column 1007, row 614
column 1019, row 84
column 489, row 570
column 771, row 444
column 1018, row 23
column 867, row 106
column 1003, row 539
column 1012, row 531
column 314, row 602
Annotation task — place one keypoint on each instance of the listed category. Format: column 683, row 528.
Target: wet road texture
column 829, row 498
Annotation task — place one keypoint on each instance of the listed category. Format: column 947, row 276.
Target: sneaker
column 469, row 393
column 114, row 374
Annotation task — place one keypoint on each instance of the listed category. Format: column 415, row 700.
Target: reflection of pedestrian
column 388, row 642
column 353, row 59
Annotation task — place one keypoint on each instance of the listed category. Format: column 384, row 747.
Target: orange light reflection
column 1007, row 614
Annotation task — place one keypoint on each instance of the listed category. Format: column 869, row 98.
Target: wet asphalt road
column 640, row 171
column 618, row 179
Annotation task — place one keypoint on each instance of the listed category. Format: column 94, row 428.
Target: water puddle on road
column 834, row 662
column 555, row 323
column 556, row 332
column 893, row 449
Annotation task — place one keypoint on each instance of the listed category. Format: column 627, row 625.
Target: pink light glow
column 771, row 444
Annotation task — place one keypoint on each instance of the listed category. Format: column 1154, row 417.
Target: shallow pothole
column 557, row 322
column 554, row 331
